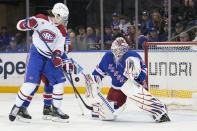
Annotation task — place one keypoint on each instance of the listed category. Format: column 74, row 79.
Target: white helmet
column 119, row 47
column 61, row 9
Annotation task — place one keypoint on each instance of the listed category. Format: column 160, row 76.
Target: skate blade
column 57, row 119
column 22, row 119
column 46, row 117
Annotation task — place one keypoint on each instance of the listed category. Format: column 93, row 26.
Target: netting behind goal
column 172, row 70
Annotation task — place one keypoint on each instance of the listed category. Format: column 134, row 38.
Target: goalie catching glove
column 133, row 67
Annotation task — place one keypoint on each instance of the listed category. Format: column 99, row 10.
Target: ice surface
column 132, row 119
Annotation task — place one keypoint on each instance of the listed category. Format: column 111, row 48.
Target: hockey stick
column 74, row 88
column 75, row 93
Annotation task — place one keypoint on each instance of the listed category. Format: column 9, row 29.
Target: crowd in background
column 152, row 27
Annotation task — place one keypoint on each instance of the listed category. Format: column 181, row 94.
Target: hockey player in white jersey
column 128, row 73
column 41, row 60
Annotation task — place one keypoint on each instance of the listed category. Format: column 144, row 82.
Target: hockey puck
column 76, row 79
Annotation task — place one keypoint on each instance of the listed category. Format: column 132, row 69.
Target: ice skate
column 59, row 116
column 14, row 112
column 23, row 115
column 47, row 112
column 164, row 118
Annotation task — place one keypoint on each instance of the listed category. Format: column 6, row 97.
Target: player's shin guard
column 48, row 90
column 24, row 92
column 29, row 98
column 58, row 91
column 145, row 100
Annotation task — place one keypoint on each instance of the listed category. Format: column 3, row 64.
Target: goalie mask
column 119, row 48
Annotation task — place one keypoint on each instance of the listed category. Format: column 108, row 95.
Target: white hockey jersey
column 53, row 34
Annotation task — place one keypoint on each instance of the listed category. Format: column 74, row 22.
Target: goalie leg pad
column 143, row 99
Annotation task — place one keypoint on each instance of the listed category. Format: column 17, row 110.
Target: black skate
column 164, row 118
column 47, row 112
column 14, row 112
column 24, row 113
column 58, row 115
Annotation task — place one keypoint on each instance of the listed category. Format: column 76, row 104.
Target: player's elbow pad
column 141, row 77
column 20, row 26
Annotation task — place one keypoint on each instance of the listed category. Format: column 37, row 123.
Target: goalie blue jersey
column 107, row 66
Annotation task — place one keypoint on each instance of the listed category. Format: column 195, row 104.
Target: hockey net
column 172, row 73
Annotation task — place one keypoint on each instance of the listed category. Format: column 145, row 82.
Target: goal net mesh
column 172, row 71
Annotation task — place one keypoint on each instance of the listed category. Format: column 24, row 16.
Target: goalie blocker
column 128, row 73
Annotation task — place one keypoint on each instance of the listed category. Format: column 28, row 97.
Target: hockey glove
column 67, row 65
column 92, row 87
column 67, row 48
column 57, row 58
column 133, row 68
column 30, row 23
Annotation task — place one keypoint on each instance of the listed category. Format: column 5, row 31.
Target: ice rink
column 132, row 119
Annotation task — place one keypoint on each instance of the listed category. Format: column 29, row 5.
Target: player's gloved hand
column 67, row 48
column 57, row 58
column 30, row 23
column 67, row 65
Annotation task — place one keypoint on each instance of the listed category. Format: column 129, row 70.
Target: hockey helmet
column 61, row 9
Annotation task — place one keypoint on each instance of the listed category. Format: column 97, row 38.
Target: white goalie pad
column 143, row 99
column 132, row 68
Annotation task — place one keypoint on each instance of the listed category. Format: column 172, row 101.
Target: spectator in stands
column 107, row 38
column 90, row 38
column 69, row 30
column 115, row 21
column 97, row 35
column 13, row 46
column 178, row 29
column 131, row 37
column 20, row 40
column 195, row 39
column 164, row 36
column 189, row 11
column 146, row 22
column 73, row 40
column 82, row 35
column 4, row 38
column 141, row 39
column 158, row 22
column 124, row 25
column 117, row 32
column 164, row 11
column 154, row 36
column 184, row 36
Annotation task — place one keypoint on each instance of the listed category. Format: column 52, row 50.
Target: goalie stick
column 65, row 73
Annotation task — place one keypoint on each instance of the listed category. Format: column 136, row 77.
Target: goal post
column 172, row 68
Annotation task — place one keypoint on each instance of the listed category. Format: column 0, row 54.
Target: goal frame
column 147, row 44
